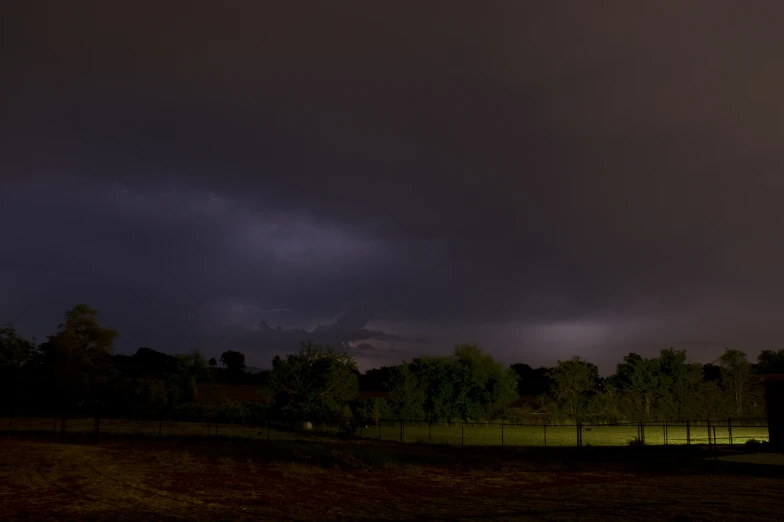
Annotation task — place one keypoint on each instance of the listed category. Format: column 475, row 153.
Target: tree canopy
column 74, row 371
column 468, row 385
column 316, row 381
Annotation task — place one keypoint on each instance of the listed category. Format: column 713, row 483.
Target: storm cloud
column 544, row 179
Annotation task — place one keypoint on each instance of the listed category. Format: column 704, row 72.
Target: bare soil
column 231, row 479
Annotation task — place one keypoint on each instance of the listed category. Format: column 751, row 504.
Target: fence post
column 462, row 433
column 268, row 430
column 401, row 431
column 430, row 432
column 715, row 447
column 502, row 434
column 729, row 429
column 642, row 432
column 160, row 427
column 579, row 434
column 665, row 433
column 709, row 434
column 688, row 433
column 545, row 435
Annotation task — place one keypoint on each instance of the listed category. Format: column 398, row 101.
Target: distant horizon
column 603, row 371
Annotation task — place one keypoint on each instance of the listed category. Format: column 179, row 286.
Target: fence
column 706, row 432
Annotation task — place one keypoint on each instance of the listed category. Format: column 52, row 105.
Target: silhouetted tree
column 152, row 363
column 711, row 372
column 770, row 361
column 212, row 362
column 375, row 379
column 532, row 381
column 76, row 357
column 233, row 361
column 15, row 353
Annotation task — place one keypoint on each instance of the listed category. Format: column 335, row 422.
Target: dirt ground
column 231, row 479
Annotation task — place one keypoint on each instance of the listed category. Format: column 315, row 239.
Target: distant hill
column 254, row 370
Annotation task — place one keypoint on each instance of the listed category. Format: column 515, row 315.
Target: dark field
column 129, row 479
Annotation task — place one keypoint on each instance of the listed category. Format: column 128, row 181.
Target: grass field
column 598, row 435
column 455, row 434
column 127, row 479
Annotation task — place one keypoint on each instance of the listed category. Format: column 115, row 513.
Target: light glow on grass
column 456, row 434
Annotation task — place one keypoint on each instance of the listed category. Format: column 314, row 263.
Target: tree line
column 74, row 372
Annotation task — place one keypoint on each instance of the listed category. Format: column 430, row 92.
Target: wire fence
column 705, row 432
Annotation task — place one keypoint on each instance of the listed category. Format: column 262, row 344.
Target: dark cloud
column 347, row 333
column 564, row 176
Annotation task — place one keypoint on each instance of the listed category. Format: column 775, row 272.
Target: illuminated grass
column 597, row 435
column 440, row 433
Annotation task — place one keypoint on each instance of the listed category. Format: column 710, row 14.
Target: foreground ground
column 129, row 479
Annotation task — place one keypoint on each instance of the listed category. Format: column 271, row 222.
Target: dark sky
column 543, row 178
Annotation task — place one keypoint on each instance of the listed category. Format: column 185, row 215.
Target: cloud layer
column 543, row 179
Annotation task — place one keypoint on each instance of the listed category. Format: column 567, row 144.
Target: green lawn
column 440, row 433
column 598, row 435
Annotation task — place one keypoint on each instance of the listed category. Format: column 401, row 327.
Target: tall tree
column 639, row 377
column 444, row 389
column 15, row 353
column 682, row 386
column 406, row 393
column 315, row 382
column 486, row 386
column 532, row 381
column 76, row 358
column 233, row 361
column 770, row 361
column 375, row 379
column 736, row 377
column 574, row 383
column 191, row 371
